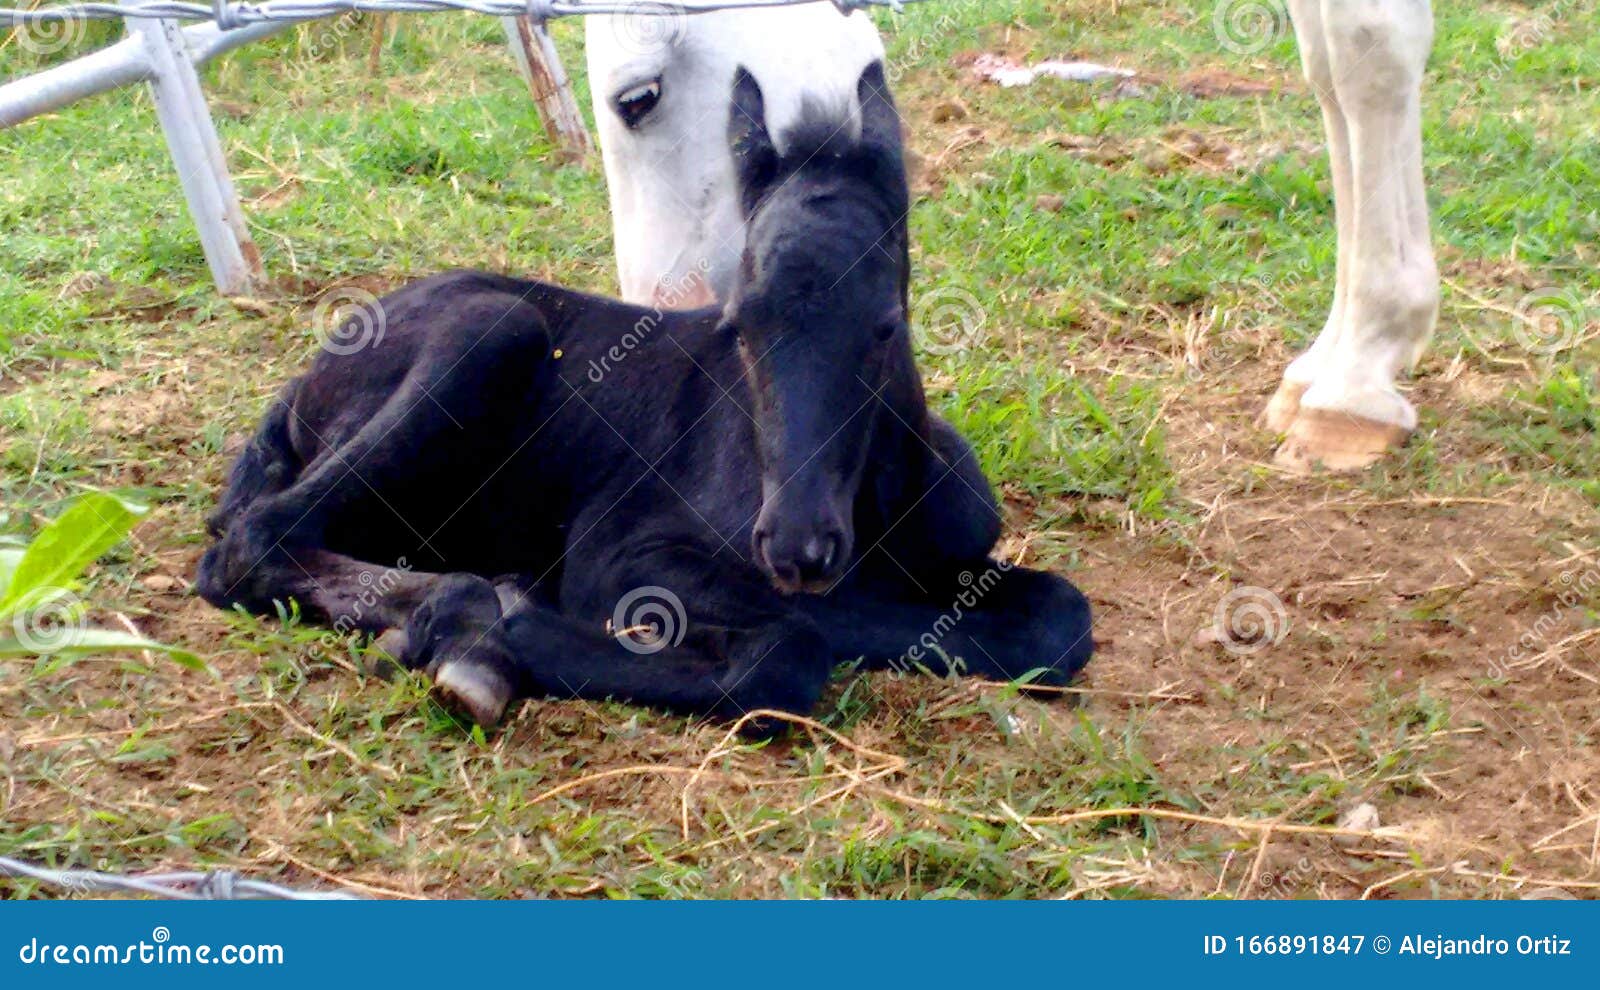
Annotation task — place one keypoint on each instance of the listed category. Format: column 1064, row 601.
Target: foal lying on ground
column 767, row 471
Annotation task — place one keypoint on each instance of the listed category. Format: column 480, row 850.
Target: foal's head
column 819, row 312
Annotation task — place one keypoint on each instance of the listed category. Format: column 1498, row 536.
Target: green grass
column 1104, row 350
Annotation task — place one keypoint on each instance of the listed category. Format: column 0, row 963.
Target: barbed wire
column 229, row 15
column 215, row 885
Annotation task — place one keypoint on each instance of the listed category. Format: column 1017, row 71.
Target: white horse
column 661, row 82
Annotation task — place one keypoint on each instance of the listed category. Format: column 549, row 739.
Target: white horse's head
column 661, row 80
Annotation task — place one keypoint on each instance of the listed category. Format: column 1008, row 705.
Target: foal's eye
column 729, row 331
column 635, row 103
column 885, row 331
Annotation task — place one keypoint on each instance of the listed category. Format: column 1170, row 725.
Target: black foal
column 764, row 477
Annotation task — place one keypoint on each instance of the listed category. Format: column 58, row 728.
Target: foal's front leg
column 715, row 640
column 926, row 592
column 991, row 619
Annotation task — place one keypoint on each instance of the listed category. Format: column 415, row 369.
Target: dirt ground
column 1385, row 678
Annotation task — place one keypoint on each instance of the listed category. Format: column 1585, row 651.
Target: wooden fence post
column 535, row 52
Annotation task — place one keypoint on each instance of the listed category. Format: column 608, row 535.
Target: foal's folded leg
column 276, row 548
column 999, row 621
column 730, row 652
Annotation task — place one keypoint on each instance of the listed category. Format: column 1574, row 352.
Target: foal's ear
column 755, row 159
column 880, row 121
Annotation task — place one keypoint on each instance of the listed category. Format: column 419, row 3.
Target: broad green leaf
column 10, row 557
column 93, row 524
column 88, row 641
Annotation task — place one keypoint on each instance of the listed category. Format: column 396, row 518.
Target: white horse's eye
column 635, row 103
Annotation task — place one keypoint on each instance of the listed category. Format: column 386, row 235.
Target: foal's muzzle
column 802, row 558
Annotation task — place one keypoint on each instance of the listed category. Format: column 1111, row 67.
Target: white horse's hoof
column 1282, row 408
column 1337, row 441
column 472, row 690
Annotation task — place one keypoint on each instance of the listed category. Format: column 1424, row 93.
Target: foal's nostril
column 818, row 556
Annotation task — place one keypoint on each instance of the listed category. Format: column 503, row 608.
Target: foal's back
column 546, row 399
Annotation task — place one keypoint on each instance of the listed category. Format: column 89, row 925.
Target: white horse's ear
column 880, row 121
column 755, row 159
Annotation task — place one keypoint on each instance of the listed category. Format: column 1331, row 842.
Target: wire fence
column 157, row 49
column 230, row 15
column 214, row 885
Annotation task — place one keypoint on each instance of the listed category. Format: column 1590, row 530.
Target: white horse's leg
column 1338, row 402
column 1313, row 42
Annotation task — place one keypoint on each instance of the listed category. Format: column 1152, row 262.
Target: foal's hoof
column 385, row 656
column 472, row 691
column 1337, row 441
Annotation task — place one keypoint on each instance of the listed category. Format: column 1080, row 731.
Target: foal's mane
column 825, row 142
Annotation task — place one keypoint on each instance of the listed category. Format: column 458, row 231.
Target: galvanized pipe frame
column 165, row 55
column 228, row 14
